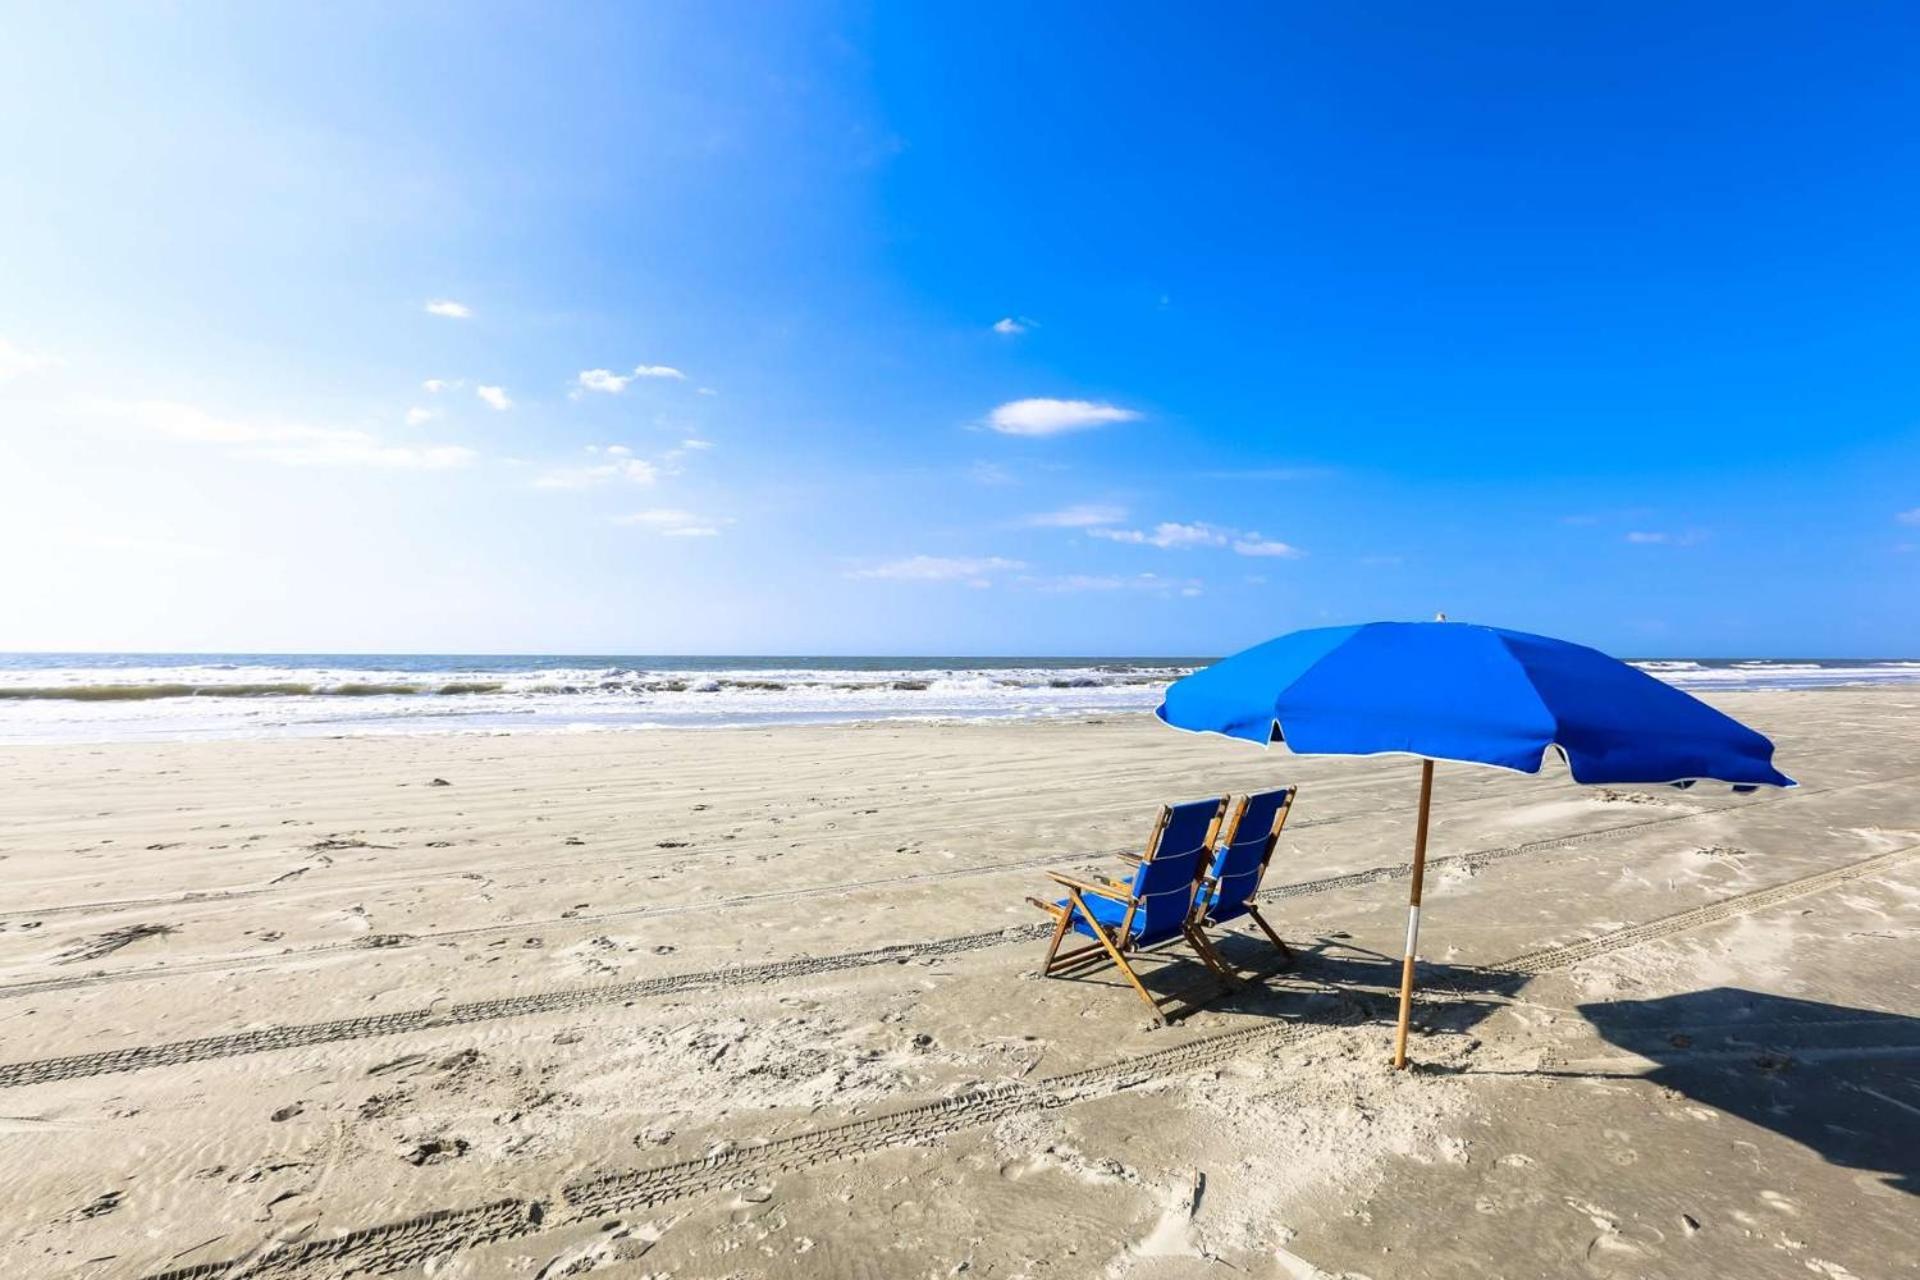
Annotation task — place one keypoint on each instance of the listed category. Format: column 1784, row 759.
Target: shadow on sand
column 1838, row 1080
column 1328, row 981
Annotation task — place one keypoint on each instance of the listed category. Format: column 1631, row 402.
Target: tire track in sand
column 302, row 1035
column 418, row 1240
column 389, row 941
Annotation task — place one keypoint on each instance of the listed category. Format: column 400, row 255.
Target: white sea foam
column 119, row 698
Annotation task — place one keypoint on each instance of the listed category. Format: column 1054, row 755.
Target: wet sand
column 764, row 1003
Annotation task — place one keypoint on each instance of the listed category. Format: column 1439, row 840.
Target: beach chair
column 1150, row 909
column 1232, row 876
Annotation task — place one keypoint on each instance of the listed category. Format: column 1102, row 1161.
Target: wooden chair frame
column 1203, row 900
column 1116, row 946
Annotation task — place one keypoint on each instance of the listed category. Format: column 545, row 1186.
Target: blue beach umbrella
column 1477, row 695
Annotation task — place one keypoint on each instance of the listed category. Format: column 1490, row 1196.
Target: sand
column 765, row 1003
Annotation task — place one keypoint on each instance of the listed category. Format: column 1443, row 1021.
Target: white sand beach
column 763, row 1002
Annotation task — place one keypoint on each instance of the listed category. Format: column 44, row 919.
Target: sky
column 957, row 329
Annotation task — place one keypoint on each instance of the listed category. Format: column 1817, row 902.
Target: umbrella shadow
column 1450, row 999
column 1838, row 1080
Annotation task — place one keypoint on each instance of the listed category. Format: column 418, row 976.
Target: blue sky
column 958, row 329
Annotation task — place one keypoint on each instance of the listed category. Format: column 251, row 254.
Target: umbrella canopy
column 1478, row 695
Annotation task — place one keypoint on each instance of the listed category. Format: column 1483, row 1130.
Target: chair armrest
column 1085, row 886
column 1130, row 857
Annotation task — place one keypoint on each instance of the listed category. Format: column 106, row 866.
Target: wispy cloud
column 1076, row 582
column 1661, row 538
column 1085, row 515
column 974, row 570
column 290, row 444
column 434, row 386
column 620, row 465
column 496, row 397
column 1169, row 535
column 418, row 417
column 16, row 361
column 1252, row 544
column 602, row 380
column 1012, row 326
column 450, row 309
column 669, row 523
column 1908, row 517
column 696, row 444
column 613, row 384
column 1045, row 417
column 1172, row 535
column 989, row 473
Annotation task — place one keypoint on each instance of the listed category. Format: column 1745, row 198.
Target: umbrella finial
column 1440, row 617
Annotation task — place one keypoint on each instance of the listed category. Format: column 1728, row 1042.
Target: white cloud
column 614, row 383
column 1252, row 544
column 633, row 470
column 450, row 309
column 15, row 361
column 1659, row 538
column 1078, row 582
column 1169, row 535
column 495, row 397
column 417, row 416
column 1084, row 515
column 1044, row 417
column 991, row 473
column 669, row 523
column 290, row 444
column 696, row 444
column 434, row 386
column 1012, row 325
column 1172, row 535
column 708, row 391
column 602, row 380
column 1909, row 517
column 940, row 568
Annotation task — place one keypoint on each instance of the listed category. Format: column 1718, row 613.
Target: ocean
column 72, row 697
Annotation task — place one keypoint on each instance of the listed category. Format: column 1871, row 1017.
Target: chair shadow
column 1331, row 981
column 1840, row 1081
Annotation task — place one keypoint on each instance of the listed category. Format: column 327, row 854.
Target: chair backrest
column 1245, row 847
column 1164, row 885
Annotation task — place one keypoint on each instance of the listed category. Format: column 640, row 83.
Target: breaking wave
column 118, row 697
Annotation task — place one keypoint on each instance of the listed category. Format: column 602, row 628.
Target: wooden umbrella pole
column 1413, row 916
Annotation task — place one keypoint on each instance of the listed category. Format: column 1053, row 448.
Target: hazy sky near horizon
column 994, row 328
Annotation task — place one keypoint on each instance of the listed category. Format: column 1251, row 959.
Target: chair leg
column 1211, row 957
column 1119, row 959
column 1286, row 953
column 1059, row 932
